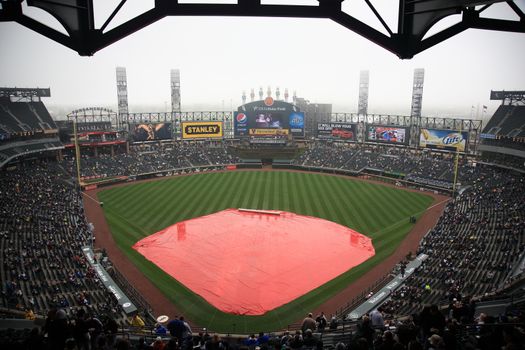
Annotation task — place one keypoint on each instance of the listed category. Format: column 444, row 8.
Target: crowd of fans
column 42, row 232
column 473, row 247
column 421, row 166
column 150, row 158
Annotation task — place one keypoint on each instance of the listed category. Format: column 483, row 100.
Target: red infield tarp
column 250, row 263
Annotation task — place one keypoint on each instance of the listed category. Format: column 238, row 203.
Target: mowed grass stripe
column 284, row 192
column 370, row 204
column 386, row 214
column 217, row 200
column 339, row 214
column 356, row 220
column 174, row 195
column 214, row 184
column 239, row 184
column 270, row 201
column 186, row 190
column 357, row 197
column 192, row 193
column 303, row 192
column 246, row 195
column 194, row 200
column 150, row 195
column 338, row 199
column 322, row 206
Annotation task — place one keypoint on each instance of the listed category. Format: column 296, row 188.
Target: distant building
column 313, row 113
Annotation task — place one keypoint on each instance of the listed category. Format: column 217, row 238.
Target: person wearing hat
column 308, row 323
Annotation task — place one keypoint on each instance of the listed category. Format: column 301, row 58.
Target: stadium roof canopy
column 415, row 18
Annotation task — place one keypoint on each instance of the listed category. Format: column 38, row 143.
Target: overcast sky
column 220, row 57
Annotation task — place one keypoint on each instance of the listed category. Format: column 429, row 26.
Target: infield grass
column 139, row 210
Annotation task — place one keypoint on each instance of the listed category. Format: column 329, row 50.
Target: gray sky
column 221, row 57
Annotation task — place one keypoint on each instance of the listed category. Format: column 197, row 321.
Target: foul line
column 92, row 198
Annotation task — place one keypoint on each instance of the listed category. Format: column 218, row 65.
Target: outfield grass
column 138, row 210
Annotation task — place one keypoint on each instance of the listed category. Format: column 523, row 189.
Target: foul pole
column 77, row 150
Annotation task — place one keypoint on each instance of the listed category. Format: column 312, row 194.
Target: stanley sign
column 202, row 130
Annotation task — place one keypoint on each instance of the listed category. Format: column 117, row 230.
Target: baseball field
column 139, row 210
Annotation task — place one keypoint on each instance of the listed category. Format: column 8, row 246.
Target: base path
column 162, row 306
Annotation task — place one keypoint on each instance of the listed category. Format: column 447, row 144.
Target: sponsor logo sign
column 200, row 130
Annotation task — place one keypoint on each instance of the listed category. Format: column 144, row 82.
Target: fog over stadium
column 220, row 57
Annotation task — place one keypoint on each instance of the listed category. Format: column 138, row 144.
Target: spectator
column 308, row 323
column 321, row 322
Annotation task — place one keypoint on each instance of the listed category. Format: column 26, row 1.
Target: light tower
column 417, row 92
column 286, row 94
column 261, row 93
column 243, row 97
column 277, row 94
column 122, row 94
column 362, row 107
column 175, row 90
column 252, row 95
column 269, row 91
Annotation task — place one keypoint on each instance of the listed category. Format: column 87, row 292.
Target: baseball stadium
column 276, row 224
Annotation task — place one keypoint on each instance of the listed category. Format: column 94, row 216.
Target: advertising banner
column 108, row 282
column 337, row 131
column 450, row 140
column 268, row 132
column 201, row 130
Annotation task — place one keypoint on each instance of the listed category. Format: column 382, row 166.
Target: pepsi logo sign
column 242, row 118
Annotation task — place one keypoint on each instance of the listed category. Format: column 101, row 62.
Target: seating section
column 508, row 121
column 16, row 117
column 417, row 165
column 152, row 158
column 473, row 247
column 42, row 230
column 13, row 150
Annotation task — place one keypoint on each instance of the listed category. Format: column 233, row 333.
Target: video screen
column 267, row 121
column 267, row 118
column 450, row 140
column 387, row 134
column 337, row 131
column 150, row 132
